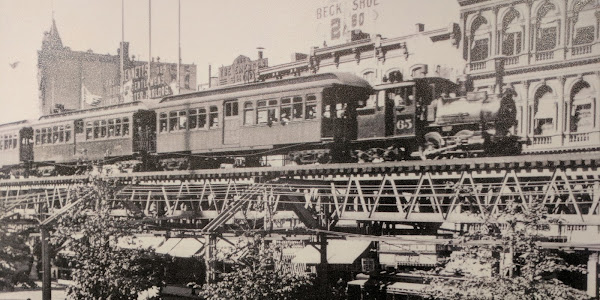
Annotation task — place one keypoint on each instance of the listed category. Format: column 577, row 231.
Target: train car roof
column 99, row 111
column 323, row 79
column 410, row 82
column 14, row 124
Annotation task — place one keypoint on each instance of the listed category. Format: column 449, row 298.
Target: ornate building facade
column 72, row 80
column 551, row 57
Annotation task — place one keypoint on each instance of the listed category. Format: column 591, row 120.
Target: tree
column 259, row 274
column 505, row 260
column 101, row 268
column 14, row 258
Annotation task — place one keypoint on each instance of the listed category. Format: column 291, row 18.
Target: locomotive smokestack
column 499, row 61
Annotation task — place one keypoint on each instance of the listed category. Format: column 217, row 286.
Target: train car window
column 49, row 135
column 273, row 110
column 117, row 127
column 111, row 128
column 327, row 111
column 96, row 129
column 125, row 126
column 172, row 121
column 262, row 113
column 88, row 130
column 192, row 118
column 340, row 109
column 311, row 107
column 103, row 129
column 182, row 120
column 202, row 118
column 213, row 120
column 286, row 110
column 78, row 126
column 55, row 135
column 248, row 113
column 231, row 109
column 297, row 111
column 15, row 145
column 1, row 143
column 163, row 122
column 37, row 137
column 61, row 133
column 67, row 133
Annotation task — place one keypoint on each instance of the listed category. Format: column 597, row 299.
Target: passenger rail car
column 15, row 148
column 115, row 132
column 301, row 116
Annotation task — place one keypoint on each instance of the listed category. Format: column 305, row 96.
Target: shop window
column 480, row 50
column 311, row 107
column 163, row 121
column 297, row 108
column 248, row 113
column 213, row 118
column 584, row 35
column 172, row 121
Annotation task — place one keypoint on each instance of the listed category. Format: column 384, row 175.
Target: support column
column 323, row 267
column 527, row 33
column 562, row 123
column 46, row 287
column 209, row 258
column 592, row 275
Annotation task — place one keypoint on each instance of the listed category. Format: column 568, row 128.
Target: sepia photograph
column 316, row 149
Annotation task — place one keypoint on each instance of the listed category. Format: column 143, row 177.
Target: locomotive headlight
column 491, row 131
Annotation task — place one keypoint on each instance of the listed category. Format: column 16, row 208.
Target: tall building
column 72, row 80
column 550, row 51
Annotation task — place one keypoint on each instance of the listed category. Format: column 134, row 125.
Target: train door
column 231, row 122
column 144, row 132
column 26, row 146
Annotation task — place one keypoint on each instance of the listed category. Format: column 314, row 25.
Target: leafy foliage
column 14, row 258
column 103, row 269
column 258, row 274
column 505, row 260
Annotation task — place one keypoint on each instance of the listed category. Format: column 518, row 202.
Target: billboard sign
column 338, row 18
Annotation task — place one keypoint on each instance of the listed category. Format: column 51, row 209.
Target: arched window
column 512, row 34
column 547, row 28
column 369, row 76
column 585, row 22
column 480, row 46
column 544, row 111
column 582, row 116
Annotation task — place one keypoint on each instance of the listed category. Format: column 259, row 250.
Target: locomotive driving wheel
column 432, row 141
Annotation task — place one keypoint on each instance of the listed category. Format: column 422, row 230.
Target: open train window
column 182, row 120
column 297, row 111
column 67, row 133
column 37, row 137
column 103, row 129
column 111, row 128
column 311, row 107
column 192, row 118
column 248, row 113
column 172, row 121
column 79, row 126
column 213, row 118
column 117, row 127
column 88, row 131
column 286, row 110
column 125, row 126
column 163, row 121
column 202, row 118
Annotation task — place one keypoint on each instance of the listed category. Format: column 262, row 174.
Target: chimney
column 260, row 52
column 420, row 27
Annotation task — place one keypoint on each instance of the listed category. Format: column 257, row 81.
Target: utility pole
column 46, row 285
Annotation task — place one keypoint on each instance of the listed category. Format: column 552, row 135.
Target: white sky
column 213, row 32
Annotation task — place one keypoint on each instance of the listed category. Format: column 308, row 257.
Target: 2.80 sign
column 343, row 16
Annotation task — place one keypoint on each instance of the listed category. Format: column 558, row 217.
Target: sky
column 212, row 33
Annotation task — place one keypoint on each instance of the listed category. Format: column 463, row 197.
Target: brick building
column 71, row 80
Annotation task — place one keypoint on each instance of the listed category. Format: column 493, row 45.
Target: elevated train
column 321, row 118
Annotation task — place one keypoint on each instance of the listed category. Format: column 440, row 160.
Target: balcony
column 566, row 140
column 544, row 56
column 477, row 66
column 581, row 50
column 511, row 60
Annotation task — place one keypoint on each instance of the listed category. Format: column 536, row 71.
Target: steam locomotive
column 321, row 118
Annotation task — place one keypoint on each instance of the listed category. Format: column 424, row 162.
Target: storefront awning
column 141, row 242
column 405, row 288
column 187, row 247
column 338, row 252
column 546, row 110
